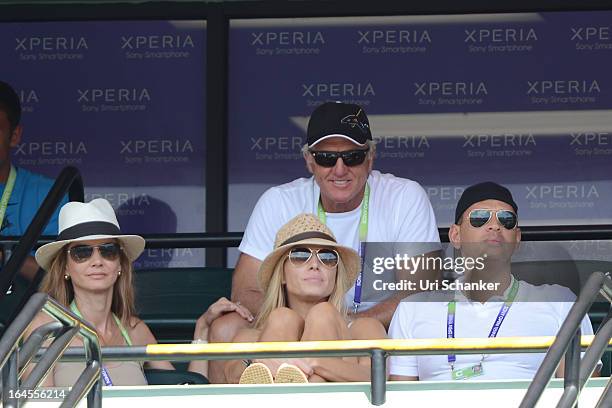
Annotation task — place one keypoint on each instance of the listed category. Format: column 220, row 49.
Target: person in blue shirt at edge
column 357, row 203
column 486, row 230
column 22, row 191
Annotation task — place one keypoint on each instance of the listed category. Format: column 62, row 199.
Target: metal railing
column 69, row 181
column 232, row 239
column 14, row 359
column 567, row 343
column 378, row 350
column 576, row 372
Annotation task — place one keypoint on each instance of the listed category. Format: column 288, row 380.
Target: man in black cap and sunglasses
column 357, row 203
column 485, row 301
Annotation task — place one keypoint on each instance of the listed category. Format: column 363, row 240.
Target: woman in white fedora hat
column 89, row 270
column 304, row 280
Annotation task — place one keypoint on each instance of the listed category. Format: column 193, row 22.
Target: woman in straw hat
column 304, row 280
column 89, row 270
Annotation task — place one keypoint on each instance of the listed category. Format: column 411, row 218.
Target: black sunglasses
column 81, row 253
column 349, row 157
column 506, row 218
column 300, row 255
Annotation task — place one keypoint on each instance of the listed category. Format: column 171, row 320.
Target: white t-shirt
column 399, row 211
column 415, row 318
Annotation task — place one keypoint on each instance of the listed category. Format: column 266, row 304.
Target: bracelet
column 199, row 341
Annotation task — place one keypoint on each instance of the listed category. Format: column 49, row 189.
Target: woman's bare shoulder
column 139, row 332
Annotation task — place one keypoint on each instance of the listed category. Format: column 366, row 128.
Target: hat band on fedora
column 307, row 235
column 89, row 228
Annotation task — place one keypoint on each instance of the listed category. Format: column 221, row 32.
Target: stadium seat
column 173, row 377
column 568, row 273
column 9, row 303
column 170, row 300
column 572, row 274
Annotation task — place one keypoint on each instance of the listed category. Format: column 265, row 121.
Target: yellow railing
column 397, row 347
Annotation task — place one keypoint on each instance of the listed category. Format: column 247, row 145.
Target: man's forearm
column 250, row 298
column 383, row 311
column 245, row 288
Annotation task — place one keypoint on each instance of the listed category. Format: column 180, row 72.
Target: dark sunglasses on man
column 81, row 253
column 506, row 218
column 349, row 157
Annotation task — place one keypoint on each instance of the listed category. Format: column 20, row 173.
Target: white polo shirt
column 415, row 318
column 399, row 211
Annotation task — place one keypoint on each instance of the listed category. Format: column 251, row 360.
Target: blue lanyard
column 363, row 234
column 106, row 377
column 503, row 312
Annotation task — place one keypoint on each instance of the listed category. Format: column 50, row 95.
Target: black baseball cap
column 337, row 119
column 483, row 191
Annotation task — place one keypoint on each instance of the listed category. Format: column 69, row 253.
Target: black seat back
column 169, row 300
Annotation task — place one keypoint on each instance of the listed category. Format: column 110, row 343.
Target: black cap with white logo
column 337, row 119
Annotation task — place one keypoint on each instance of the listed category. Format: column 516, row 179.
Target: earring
column 119, row 273
column 66, row 276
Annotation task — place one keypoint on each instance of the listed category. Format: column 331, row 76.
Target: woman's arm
column 339, row 369
column 40, row 319
column 200, row 334
column 141, row 335
column 234, row 368
column 403, row 378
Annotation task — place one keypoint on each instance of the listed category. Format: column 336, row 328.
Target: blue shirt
column 28, row 194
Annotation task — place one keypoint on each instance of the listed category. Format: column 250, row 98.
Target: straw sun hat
column 88, row 221
column 304, row 230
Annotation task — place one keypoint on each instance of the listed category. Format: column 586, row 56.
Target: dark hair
column 10, row 104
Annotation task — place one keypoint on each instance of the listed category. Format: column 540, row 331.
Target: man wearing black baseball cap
column 357, row 203
column 339, row 130
column 486, row 301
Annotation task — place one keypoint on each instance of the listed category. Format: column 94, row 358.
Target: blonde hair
column 276, row 296
column 62, row 290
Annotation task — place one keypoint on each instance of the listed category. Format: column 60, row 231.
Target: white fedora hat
column 88, row 221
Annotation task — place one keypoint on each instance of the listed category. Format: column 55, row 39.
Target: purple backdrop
column 522, row 99
column 125, row 103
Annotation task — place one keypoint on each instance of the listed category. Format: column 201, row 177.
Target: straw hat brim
column 132, row 245
column 350, row 258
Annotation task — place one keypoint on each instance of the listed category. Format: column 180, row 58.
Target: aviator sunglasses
column 300, row 255
column 506, row 218
column 349, row 157
column 81, row 253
